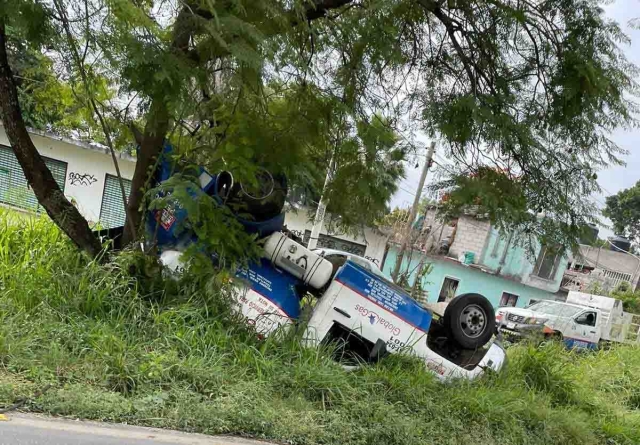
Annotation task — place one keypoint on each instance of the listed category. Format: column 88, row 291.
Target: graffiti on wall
column 81, row 179
column 373, row 260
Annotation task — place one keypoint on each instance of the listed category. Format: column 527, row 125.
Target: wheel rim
column 473, row 320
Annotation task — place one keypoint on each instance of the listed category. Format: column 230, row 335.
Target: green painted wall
column 470, row 279
column 517, row 264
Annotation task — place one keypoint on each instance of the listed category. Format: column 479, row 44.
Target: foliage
column 368, row 166
column 47, row 103
column 397, row 215
column 169, row 354
column 508, row 85
column 49, row 99
column 217, row 230
column 499, row 196
column 630, row 298
column 623, row 209
column 488, row 191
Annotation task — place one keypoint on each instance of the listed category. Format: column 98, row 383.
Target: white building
column 370, row 243
column 86, row 174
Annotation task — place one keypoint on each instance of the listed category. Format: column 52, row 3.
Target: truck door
column 585, row 330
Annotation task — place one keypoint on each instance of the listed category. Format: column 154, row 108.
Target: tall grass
column 160, row 353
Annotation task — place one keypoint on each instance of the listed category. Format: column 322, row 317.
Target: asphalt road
column 23, row 429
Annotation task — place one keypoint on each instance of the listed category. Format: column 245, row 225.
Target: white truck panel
column 610, row 312
column 344, row 306
column 297, row 260
column 591, row 300
column 260, row 312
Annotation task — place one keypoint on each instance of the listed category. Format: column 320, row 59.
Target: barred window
column 14, row 188
column 112, row 211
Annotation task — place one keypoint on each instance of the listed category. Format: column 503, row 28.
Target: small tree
column 623, row 209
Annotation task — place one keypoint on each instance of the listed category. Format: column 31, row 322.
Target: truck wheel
column 469, row 320
column 555, row 335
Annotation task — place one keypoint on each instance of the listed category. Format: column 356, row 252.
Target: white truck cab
column 375, row 317
column 359, row 311
column 584, row 321
column 578, row 326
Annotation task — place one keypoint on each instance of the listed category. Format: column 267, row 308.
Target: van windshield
column 553, row 308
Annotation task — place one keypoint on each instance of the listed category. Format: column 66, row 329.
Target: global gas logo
column 373, row 319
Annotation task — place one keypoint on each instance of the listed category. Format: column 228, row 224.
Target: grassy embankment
column 157, row 354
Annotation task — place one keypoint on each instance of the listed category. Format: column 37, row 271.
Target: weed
column 171, row 354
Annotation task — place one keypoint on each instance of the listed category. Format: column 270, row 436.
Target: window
column 330, row 242
column 360, row 262
column 508, row 299
column 587, row 319
column 351, row 347
column 555, row 308
column 112, row 211
column 448, row 290
column 14, row 188
column 5, row 179
column 547, row 262
column 336, row 261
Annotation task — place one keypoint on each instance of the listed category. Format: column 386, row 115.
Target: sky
column 611, row 180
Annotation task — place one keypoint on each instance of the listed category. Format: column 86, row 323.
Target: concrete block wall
column 439, row 230
column 471, row 236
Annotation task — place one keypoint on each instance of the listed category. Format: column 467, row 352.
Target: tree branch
column 435, row 9
column 105, row 128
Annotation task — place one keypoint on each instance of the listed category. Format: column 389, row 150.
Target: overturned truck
column 367, row 314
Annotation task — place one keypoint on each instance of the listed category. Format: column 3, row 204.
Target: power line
column 405, row 190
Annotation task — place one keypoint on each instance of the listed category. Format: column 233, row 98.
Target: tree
column 623, row 209
column 47, row 191
column 394, row 217
column 529, row 88
column 47, row 102
column 368, row 164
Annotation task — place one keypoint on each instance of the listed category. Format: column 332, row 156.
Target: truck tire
column 555, row 335
column 469, row 320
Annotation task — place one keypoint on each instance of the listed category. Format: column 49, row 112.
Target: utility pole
column 414, row 211
column 322, row 207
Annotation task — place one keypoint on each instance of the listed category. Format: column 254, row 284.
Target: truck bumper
column 519, row 330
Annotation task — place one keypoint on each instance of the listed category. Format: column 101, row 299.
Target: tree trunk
column 154, row 133
column 40, row 179
column 150, row 148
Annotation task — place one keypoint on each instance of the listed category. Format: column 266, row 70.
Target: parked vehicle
column 357, row 306
column 584, row 321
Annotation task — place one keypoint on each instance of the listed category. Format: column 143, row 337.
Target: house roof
column 603, row 258
column 93, row 146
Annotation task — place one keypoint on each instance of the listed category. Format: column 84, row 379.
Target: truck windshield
column 553, row 308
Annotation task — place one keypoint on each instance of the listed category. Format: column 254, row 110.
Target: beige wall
column 435, row 230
